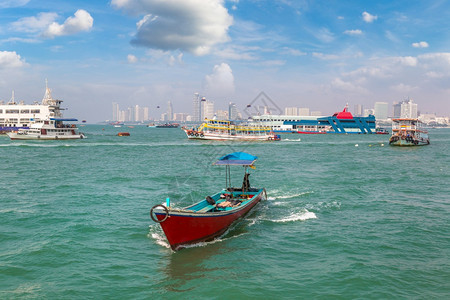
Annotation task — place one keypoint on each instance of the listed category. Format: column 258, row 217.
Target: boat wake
column 289, row 196
column 291, row 140
column 300, row 216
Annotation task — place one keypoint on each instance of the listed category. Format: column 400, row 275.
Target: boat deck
column 237, row 198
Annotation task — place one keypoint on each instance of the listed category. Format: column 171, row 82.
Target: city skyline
column 312, row 54
column 203, row 108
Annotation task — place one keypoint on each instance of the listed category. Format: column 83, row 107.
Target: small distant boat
column 408, row 132
column 212, row 216
column 381, row 131
column 123, row 134
column 52, row 129
column 83, row 121
column 151, row 125
column 223, row 130
column 168, row 125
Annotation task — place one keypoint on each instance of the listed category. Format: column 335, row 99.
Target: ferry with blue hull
column 340, row 122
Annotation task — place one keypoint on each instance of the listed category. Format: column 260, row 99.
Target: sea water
column 347, row 216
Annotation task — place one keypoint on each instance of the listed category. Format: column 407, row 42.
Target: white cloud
column 10, row 59
column 324, row 35
column 13, row 3
column 420, row 45
column 132, row 59
column 325, row 56
column 34, row 24
column 191, row 25
column 353, row 32
column 293, row 52
column 82, row 21
column 407, row 61
column 403, row 88
column 368, row 17
column 221, row 82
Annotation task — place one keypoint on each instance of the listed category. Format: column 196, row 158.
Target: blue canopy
column 236, row 159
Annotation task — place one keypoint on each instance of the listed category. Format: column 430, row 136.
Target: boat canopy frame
column 236, row 159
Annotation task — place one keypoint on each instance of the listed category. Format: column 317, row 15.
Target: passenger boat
column 212, row 216
column 227, row 130
column 408, row 132
column 52, row 129
column 168, row 125
column 15, row 115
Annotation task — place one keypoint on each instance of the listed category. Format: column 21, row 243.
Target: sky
column 316, row 54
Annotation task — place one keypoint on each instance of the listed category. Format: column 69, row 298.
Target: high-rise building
column 207, row 109
column 115, row 111
column 233, row 112
column 146, row 114
column 409, row 109
column 221, row 115
column 196, row 111
column 397, row 110
column 138, row 114
column 359, row 110
column 381, row 110
column 291, row 111
column 169, row 111
column 303, row 111
column 180, row 117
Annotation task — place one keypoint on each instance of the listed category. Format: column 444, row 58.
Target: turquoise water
column 347, row 217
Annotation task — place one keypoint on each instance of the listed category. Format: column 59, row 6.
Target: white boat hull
column 17, row 136
column 228, row 137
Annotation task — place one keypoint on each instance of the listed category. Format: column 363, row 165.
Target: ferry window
column 12, row 111
column 25, row 111
column 1, row 111
column 35, row 111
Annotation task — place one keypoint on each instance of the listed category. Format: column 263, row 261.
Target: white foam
column 292, row 195
column 302, row 216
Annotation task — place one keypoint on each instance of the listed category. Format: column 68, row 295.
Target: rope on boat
column 154, row 218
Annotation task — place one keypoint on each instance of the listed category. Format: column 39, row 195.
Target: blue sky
column 316, row 54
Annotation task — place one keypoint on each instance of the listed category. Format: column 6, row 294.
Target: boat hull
column 185, row 227
column 16, row 136
column 193, row 135
column 409, row 143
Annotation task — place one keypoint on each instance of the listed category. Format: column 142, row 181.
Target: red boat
column 212, row 216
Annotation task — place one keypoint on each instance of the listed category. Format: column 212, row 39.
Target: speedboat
column 211, row 217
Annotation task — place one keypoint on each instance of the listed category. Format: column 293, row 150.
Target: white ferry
column 229, row 131
column 15, row 116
